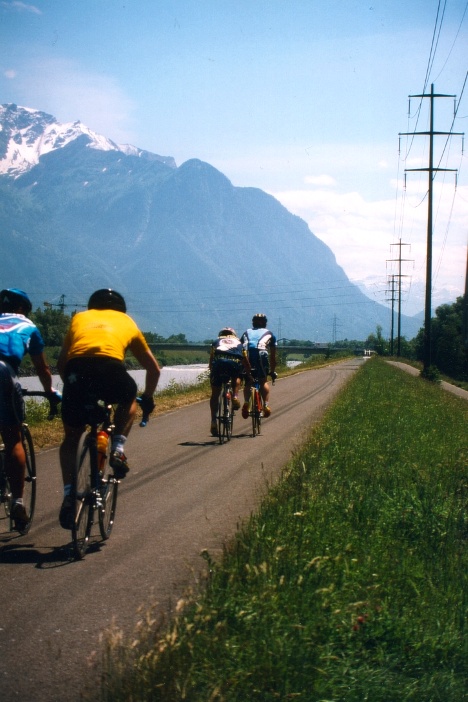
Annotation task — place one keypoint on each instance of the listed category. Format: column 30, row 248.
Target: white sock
column 118, row 442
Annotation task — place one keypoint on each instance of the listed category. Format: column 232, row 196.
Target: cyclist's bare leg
column 215, row 393
column 124, row 417
column 236, row 383
column 15, row 460
column 68, row 450
column 264, row 390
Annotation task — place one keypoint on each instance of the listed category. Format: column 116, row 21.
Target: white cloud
column 321, row 180
column 361, row 233
column 21, row 7
column 10, row 73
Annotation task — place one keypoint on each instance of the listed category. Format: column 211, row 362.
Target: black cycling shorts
column 260, row 363
column 11, row 397
column 223, row 369
column 102, row 378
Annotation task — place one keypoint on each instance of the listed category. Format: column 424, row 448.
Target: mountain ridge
column 190, row 251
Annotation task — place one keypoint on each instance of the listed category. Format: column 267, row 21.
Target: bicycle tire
column 29, row 492
column 227, row 411
column 109, row 491
column 256, row 416
column 82, row 496
column 5, row 491
column 220, row 418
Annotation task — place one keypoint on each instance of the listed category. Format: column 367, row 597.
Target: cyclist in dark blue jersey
column 228, row 361
column 18, row 336
column 260, row 345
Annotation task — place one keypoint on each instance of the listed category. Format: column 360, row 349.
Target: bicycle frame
column 94, row 488
column 256, row 407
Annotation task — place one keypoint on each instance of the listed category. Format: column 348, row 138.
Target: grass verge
column 349, row 584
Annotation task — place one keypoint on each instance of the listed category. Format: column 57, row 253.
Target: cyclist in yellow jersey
column 91, row 364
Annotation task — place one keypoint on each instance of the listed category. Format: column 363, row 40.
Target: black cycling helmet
column 12, row 299
column 227, row 331
column 259, row 321
column 107, row 299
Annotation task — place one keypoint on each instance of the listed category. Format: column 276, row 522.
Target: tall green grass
column 349, row 584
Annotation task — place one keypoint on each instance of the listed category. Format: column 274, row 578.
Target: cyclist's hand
column 54, row 398
column 147, row 405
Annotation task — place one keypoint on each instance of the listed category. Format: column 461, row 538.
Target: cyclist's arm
column 151, row 366
column 43, row 371
column 273, row 358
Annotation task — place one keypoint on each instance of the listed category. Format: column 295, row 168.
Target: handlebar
column 54, row 398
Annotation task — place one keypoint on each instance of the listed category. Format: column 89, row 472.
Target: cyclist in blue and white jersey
column 18, row 336
column 228, row 361
column 260, row 345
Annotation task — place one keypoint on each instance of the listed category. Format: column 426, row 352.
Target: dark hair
column 259, row 321
column 107, row 299
column 12, row 299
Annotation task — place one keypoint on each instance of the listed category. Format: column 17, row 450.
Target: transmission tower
column 431, row 171
column 399, row 276
column 393, row 299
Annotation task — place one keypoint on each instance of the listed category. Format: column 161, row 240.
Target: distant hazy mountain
column 190, row 251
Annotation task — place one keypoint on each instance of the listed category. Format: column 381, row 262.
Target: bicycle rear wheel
column 220, row 418
column 256, row 416
column 29, row 493
column 82, row 496
column 109, row 489
column 228, row 417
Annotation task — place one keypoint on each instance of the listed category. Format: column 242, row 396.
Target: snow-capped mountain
column 27, row 134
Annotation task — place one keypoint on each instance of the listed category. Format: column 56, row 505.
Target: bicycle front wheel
column 5, row 492
column 228, row 417
column 82, row 496
column 29, row 492
column 108, row 488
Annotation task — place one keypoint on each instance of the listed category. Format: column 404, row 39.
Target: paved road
column 185, row 493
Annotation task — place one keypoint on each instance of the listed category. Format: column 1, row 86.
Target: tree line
column 449, row 337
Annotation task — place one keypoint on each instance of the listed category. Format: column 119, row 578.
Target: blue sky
column 302, row 98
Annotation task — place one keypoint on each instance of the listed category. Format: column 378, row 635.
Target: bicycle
column 94, row 486
column 256, row 404
column 225, row 416
column 29, row 494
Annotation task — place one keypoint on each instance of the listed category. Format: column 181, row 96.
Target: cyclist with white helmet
column 91, row 362
column 18, row 336
column 228, row 361
column 260, row 346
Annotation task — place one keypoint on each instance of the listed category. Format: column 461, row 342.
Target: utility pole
column 399, row 276
column 431, row 170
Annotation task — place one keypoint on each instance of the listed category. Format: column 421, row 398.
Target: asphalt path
column 185, row 493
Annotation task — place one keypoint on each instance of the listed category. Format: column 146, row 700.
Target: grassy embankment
column 349, row 584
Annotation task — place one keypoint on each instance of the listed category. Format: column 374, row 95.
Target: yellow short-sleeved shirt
column 103, row 333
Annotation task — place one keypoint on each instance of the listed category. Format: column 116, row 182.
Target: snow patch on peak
column 27, row 134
